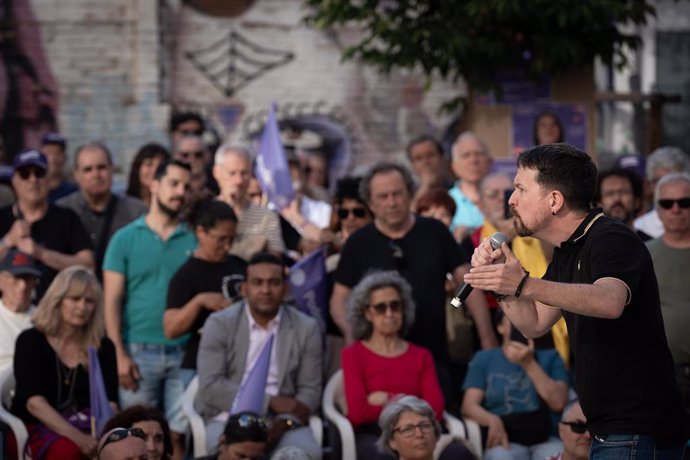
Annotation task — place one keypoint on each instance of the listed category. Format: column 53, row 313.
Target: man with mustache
column 601, row 279
column 140, row 261
column 620, row 196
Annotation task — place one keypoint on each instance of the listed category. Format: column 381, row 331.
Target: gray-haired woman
column 409, row 429
column 381, row 365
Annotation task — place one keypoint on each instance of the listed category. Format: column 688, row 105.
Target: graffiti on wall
column 28, row 91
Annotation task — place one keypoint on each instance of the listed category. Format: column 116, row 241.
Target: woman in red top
column 381, row 364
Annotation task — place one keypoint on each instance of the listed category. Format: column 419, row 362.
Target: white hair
column 226, row 150
column 465, row 136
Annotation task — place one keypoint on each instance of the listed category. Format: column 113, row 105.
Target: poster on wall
column 573, row 118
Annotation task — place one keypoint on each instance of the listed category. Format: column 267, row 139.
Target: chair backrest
column 7, row 385
column 196, row 423
column 332, row 393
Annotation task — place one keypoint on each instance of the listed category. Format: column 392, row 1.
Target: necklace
column 68, row 375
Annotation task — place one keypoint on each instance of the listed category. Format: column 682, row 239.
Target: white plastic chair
column 196, row 423
column 198, row 427
column 7, row 385
column 334, row 393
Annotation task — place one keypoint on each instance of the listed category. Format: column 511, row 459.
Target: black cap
column 19, row 264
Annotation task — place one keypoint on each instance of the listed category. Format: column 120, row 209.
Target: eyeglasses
column 577, row 426
column 249, row 421
column 118, row 434
column 381, row 307
column 407, row 431
column 188, row 155
column 38, row 173
column 684, row 203
column 359, row 213
column 398, row 255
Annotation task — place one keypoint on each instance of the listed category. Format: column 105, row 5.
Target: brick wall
column 123, row 64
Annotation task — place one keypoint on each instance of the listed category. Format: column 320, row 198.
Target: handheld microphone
column 496, row 240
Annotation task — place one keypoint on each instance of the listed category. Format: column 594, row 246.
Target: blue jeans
column 632, row 446
column 160, row 384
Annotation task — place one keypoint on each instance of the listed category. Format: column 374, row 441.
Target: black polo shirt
column 624, row 373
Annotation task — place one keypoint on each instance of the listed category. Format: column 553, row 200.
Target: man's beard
column 520, row 227
column 171, row 213
column 628, row 217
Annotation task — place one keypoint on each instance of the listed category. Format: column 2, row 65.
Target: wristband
column 518, row 291
column 499, row 297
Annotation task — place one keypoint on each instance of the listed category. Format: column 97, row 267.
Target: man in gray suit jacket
column 231, row 342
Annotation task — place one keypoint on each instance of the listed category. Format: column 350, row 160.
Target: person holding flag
column 53, row 370
column 263, row 356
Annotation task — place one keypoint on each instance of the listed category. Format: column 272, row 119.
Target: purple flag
column 250, row 396
column 271, row 166
column 309, row 286
column 101, row 411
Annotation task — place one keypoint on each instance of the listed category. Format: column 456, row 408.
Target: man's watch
column 289, row 420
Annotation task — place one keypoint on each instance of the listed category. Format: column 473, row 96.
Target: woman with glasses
column 51, row 367
column 245, row 436
column 151, row 424
column 409, row 429
column 350, row 212
column 381, row 365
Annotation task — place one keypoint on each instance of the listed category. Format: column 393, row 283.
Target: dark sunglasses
column 118, row 434
column 578, row 426
column 38, row 173
column 187, row 155
column 359, row 213
column 381, row 307
column 684, row 203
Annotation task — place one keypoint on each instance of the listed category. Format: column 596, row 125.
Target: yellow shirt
column 529, row 252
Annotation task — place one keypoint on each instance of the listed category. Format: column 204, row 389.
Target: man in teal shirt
column 139, row 263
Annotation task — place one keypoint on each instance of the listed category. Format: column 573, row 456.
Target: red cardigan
column 412, row 373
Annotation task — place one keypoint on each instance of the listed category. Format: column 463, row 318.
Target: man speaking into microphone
column 601, row 279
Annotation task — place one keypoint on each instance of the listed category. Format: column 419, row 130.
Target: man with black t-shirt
column 601, row 279
column 53, row 236
column 208, row 281
column 422, row 250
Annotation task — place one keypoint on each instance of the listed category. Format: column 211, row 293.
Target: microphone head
column 497, row 240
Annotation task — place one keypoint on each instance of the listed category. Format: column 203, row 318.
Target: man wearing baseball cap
column 18, row 278
column 53, row 236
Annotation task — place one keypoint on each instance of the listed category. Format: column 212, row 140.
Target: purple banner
column 101, row 411
column 309, row 286
column 272, row 169
column 573, row 118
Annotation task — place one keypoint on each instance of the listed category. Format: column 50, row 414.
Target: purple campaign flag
column 309, row 286
column 101, row 411
column 250, row 396
column 271, row 166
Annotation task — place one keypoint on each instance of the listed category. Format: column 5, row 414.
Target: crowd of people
column 573, row 342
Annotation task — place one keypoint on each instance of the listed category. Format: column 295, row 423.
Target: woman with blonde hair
column 51, row 367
